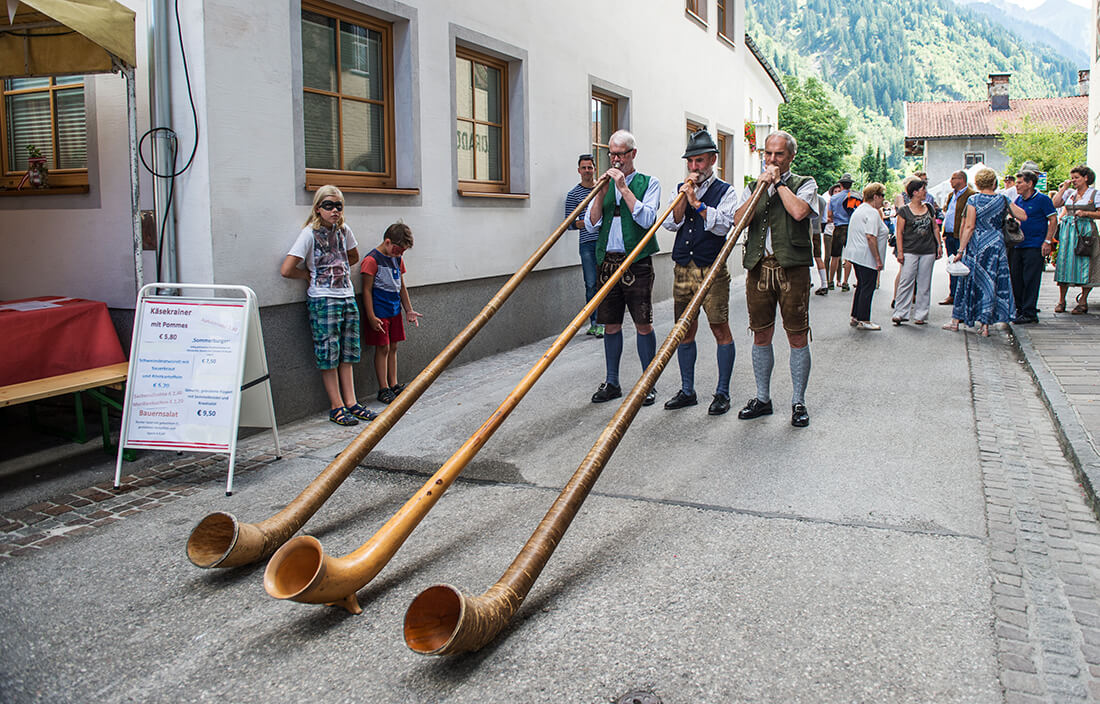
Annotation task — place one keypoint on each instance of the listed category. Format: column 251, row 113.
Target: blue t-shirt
column 1038, row 207
column 836, row 207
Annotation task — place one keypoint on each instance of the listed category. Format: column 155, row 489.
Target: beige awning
column 65, row 37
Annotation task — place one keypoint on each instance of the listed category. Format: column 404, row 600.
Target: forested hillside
column 876, row 56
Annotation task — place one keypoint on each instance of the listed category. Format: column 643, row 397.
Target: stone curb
column 1072, row 435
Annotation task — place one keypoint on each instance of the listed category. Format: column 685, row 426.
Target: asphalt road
column 717, row 560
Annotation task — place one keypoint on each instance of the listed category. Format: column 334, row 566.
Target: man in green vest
column 623, row 214
column 777, row 257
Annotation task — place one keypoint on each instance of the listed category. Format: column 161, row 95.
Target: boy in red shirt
column 384, row 296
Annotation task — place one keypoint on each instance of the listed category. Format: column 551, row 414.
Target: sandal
column 985, row 331
column 362, row 412
column 1080, row 309
column 920, row 321
column 952, row 326
column 1061, row 307
column 386, row 395
column 397, row 389
column 341, row 416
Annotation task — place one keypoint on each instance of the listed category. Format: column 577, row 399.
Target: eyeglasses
column 332, row 205
column 620, row 154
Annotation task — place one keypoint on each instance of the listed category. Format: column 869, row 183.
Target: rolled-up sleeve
column 808, row 192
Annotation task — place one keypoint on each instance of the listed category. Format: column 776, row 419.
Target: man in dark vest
column 701, row 222
column 623, row 214
column 777, row 258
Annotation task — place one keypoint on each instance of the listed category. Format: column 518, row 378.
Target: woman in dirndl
column 1082, row 203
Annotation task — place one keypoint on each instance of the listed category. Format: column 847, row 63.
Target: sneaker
column 599, row 331
column 822, row 291
column 831, row 286
column 867, row 325
column 681, row 400
column 386, row 395
column 341, row 416
column 591, row 329
column 362, row 412
column 606, row 392
column 845, row 287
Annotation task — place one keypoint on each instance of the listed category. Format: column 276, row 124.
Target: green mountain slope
column 876, row 56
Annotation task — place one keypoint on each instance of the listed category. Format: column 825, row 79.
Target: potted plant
column 37, row 172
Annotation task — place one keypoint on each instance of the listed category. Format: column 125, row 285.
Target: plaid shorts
column 334, row 323
column 688, row 278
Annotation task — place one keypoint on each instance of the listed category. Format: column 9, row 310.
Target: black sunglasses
column 332, row 205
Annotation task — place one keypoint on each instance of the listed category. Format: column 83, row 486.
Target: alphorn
column 220, row 540
column 302, row 571
column 441, row 620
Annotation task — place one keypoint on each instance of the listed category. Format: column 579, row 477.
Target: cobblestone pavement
column 32, row 528
column 1044, row 542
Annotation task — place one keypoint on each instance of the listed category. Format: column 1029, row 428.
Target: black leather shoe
column 754, row 409
column 650, row 397
column 719, row 405
column 606, row 392
column 800, row 417
column 681, row 400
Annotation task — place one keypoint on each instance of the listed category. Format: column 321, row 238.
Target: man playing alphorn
column 701, row 222
column 777, row 258
column 623, row 213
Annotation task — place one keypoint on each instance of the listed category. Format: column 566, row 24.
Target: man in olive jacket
column 778, row 254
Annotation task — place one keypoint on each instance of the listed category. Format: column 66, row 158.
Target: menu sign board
column 186, row 374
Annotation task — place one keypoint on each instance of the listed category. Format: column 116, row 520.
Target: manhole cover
column 639, row 697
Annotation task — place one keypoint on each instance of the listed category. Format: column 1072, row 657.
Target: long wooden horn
column 442, row 620
column 302, row 571
column 220, row 540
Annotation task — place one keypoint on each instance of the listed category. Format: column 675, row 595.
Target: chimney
column 998, row 91
column 1083, row 82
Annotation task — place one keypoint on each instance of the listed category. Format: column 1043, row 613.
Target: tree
column 821, row 131
column 1055, row 151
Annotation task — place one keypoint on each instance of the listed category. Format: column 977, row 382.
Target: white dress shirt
column 717, row 220
column 806, row 192
column 644, row 213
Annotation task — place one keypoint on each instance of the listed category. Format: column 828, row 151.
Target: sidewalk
column 1062, row 353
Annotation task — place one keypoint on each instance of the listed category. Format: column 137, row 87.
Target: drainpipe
column 161, row 116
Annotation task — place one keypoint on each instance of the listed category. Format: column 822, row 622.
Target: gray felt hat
column 700, row 143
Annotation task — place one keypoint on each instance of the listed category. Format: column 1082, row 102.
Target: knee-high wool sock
column 647, row 348
column 800, row 373
column 763, row 359
column 686, row 354
column 726, row 355
column 613, row 352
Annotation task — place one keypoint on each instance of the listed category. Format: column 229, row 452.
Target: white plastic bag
column 957, row 268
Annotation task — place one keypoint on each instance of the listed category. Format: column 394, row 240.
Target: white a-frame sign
column 198, row 371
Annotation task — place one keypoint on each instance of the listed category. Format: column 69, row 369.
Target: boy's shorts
column 686, row 280
column 334, row 323
column 393, row 330
column 768, row 284
column 634, row 291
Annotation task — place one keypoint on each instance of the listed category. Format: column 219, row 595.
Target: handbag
column 1014, row 234
column 1085, row 243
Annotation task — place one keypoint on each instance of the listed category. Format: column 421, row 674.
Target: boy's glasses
column 332, row 205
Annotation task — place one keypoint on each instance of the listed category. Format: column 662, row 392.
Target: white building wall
column 762, row 100
column 1093, row 149
column 943, row 157
column 242, row 201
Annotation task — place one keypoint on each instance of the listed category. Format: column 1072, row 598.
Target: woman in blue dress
column 984, row 296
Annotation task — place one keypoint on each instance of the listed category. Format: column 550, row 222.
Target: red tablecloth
column 75, row 335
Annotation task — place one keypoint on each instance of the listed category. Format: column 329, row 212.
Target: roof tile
column 976, row 119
